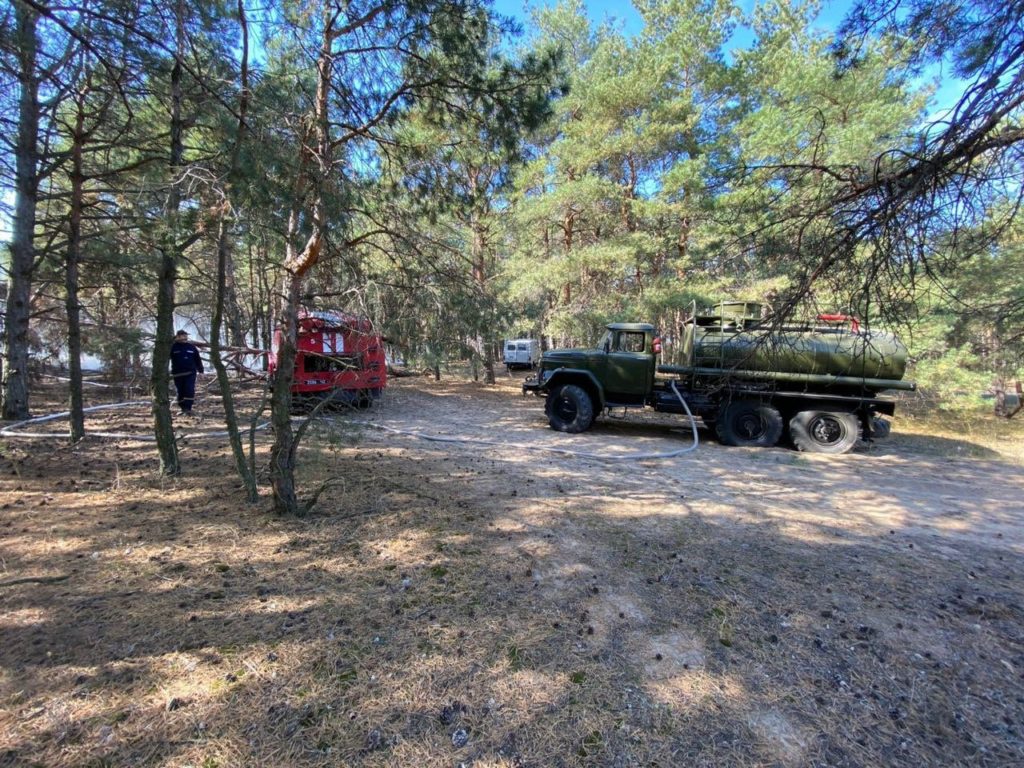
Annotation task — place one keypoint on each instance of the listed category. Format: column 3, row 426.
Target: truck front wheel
column 569, row 409
column 832, row 432
column 749, row 424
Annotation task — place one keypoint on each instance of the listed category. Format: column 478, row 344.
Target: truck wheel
column 569, row 409
column 832, row 432
column 749, row 424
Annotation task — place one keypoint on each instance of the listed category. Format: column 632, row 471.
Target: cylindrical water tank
column 826, row 350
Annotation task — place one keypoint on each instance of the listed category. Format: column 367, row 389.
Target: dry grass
column 453, row 604
column 980, row 433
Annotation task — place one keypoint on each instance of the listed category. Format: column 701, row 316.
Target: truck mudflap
column 531, row 386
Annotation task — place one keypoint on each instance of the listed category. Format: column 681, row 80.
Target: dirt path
column 879, row 487
column 492, row 604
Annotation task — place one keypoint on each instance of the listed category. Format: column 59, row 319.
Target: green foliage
column 953, row 380
column 971, row 328
column 472, row 192
column 595, row 226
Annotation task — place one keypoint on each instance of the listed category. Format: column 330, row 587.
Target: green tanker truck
column 818, row 383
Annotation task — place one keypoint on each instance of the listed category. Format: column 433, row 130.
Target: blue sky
column 599, row 10
column 622, row 11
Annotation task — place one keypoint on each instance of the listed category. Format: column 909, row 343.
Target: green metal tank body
column 734, row 341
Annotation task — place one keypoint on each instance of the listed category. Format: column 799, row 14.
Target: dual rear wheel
column 754, row 424
column 832, row 432
column 750, row 424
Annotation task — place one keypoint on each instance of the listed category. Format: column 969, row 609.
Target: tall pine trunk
column 225, row 267
column 232, row 306
column 74, row 256
column 168, row 272
column 26, row 193
column 230, row 416
column 282, row 453
column 297, row 263
column 480, row 275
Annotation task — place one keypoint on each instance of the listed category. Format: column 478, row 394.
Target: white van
column 522, row 353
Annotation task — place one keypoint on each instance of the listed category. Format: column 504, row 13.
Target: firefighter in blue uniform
column 185, row 365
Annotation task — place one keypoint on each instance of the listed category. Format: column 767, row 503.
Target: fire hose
column 16, row 431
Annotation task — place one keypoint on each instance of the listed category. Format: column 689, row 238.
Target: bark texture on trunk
column 167, row 276
column 282, row 453
column 74, row 256
column 26, row 194
column 232, row 306
column 315, row 165
column 216, row 322
column 480, row 277
column 225, row 281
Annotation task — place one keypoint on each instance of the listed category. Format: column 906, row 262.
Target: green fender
column 581, row 377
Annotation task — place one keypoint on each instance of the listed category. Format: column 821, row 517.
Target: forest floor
column 496, row 603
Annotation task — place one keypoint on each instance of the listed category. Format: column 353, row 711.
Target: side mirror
column 607, row 346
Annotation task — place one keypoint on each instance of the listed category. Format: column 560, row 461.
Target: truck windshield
column 606, row 341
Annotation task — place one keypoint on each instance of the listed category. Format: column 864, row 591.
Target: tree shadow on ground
column 445, row 607
column 931, row 445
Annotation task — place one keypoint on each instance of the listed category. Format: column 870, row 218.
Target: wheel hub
column 826, row 430
column 751, row 427
column 565, row 408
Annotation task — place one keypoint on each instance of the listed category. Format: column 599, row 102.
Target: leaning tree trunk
column 26, row 192
column 230, row 417
column 160, row 381
column 286, row 442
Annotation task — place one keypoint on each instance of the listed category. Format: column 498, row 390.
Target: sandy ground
column 489, row 598
column 929, row 490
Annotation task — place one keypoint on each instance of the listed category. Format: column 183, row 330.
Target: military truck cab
column 628, row 363
column 580, row 383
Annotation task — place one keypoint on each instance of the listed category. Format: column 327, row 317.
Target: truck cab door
column 629, row 367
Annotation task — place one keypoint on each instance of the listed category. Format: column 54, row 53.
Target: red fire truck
column 340, row 357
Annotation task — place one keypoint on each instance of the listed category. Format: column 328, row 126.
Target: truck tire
column 569, row 409
column 832, row 432
column 750, row 424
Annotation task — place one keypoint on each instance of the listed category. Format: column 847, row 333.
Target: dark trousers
column 185, row 383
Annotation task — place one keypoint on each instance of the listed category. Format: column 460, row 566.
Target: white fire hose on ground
column 15, row 431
